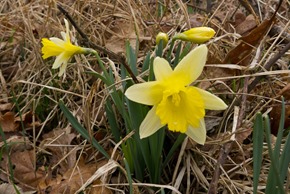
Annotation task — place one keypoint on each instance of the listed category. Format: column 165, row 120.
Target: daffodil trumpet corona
column 174, row 101
column 62, row 49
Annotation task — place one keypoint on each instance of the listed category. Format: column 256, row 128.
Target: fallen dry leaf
column 27, row 119
column 247, row 25
column 196, row 20
column 243, row 134
column 275, row 118
column 239, row 18
column 124, row 30
column 17, row 143
column 5, row 107
column 240, row 54
column 9, row 189
column 8, row 123
column 24, row 169
column 98, row 189
column 276, row 111
column 74, row 178
column 285, row 92
column 211, row 72
column 58, row 142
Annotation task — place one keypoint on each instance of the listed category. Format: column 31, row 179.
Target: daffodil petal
column 148, row 93
column 67, row 31
column 150, row 124
column 57, row 41
column 211, row 101
column 62, row 68
column 197, row 134
column 59, row 60
column 63, row 35
column 191, row 66
column 161, row 68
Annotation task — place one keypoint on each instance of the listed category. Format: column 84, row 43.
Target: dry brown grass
column 25, row 76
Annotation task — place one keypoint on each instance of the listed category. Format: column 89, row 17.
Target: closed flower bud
column 162, row 36
column 197, row 35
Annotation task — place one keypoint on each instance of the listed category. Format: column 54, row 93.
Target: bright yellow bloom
column 175, row 102
column 162, row 36
column 197, row 35
column 62, row 49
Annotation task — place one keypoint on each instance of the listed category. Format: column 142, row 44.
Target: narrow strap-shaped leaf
column 172, row 42
column 81, row 130
column 146, row 62
column 176, row 144
column 131, row 57
column 186, row 50
column 285, row 159
column 177, row 55
column 99, row 76
column 128, row 176
column 280, row 131
column 274, row 182
column 257, row 149
column 156, row 146
column 159, row 49
column 112, row 121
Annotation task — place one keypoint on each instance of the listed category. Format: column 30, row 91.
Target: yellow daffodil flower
column 62, row 49
column 162, row 36
column 175, row 102
column 196, row 35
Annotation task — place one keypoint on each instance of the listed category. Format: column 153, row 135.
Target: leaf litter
column 47, row 155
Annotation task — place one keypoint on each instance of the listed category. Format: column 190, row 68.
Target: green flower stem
column 170, row 49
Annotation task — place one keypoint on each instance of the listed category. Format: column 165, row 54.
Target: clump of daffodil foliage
column 175, row 103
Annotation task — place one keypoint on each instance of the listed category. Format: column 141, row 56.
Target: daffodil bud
column 162, row 36
column 197, row 35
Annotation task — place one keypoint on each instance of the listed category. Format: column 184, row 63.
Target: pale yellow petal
column 67, row 38
column 59, row 60
column 57, row 41
column 197, row 134
column 62, row 69
column 150, row 124
column 191, row 66
column 63, row 35
column 211, row 101
column 161, row 68
column 148, row 93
